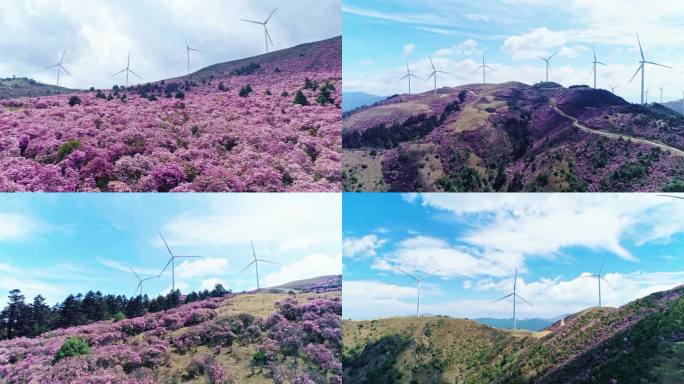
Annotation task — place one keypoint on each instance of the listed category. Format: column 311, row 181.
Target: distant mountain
column 641, row 342
column 13, row 87
column 677, row 105
column 353, row 100
column 513, row 137
column 523, row 324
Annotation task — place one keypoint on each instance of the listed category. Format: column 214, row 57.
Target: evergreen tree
column 70, row 312
column 41, row 316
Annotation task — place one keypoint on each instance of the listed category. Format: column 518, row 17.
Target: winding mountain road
column 576, row 123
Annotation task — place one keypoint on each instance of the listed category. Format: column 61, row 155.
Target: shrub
column 73, row 346
column 74, row 100
column 100, row 95
column 284, row 94
column 66, row 149
column 119, row 316
column 246, row 90
column 259, row 358
column 300, row 99
column 222, row 87
column 180, row 95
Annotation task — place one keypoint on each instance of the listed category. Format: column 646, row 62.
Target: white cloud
column 119, row 266
column 476, row 17
column 366, row 299
column 465, row 48
column 365, row 246
column 538, row 42
column 201, row 267
column 308, row 267
column 409, row 48
column 209, row 284
column 16, row 227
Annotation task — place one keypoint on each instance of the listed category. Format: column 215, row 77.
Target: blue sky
column 57, row 244
column 98, row 34
column 479, row 239
column 380, row 36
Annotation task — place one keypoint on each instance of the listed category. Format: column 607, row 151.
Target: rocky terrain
column 513, row 137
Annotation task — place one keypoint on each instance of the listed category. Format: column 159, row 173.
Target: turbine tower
column 434, row 74
column 139, row 287
column 661, row 93
column 408, row 76
column 595, row 62
column 599, row 277
column 187, row 52
column 127, row 69
column 642, row 68
column 484, row 68
column 59, row 67
column 418, row 280
column 548, row 64
column 267, row 37
column 172, row 262
column 256, row 262
column 515, row 296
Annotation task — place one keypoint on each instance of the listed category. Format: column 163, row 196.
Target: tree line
column 21, row 318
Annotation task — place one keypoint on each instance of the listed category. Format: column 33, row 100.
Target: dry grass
column 366, row 169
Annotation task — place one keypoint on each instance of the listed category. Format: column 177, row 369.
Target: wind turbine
column 256, row 262
column 484, row 68
column 59, row 67
column 548, row 64
column 187, row 51
column 408, row 76
column 613, row 88
column 267, row 37
column 127, row 69
column 599, row 277
column 515, row 296
column 674, row 197
column 140, row 282
column 593, row 69
column 434, row 73
column 642, row 68
column 172, row 262
column 418, row 280
column 661, row 93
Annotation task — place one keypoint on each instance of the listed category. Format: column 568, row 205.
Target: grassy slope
column 23, row 87
column 643, row 340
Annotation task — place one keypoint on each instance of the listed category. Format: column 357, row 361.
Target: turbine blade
column 120, row 72
column 165, row 244
column 428, row 275
column 405, row 76
column 431, row 63
column 598, row 62
column 248, row 265
column 266, row 261
column 413, row 277
column 135, row 74
column 268, row 35
column 136, row 275
column 150, row 278
column 271, row 15
column 166, row 266
column 640, row 50
column 523, row 299
column 253, row 252
column 478, row 68
column 488, row 67
column 635, row 73
column 62, row 59
column 602, row 264
column 606, row 281
column 554, row 54
column 412, row 75
column 429, row 77
column 52, row 66
column 252, row 21
column 505, row 297
column 65, row 70
column 661, row 65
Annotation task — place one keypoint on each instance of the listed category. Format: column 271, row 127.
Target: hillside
column 513, row 137
column 677, row 105
column 267, row 123
column 239, row 338
column 11, row 88
column 642, row 341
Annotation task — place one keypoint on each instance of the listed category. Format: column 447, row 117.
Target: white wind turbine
column 408, row 76
column 599, row 276
column 256, row 262
column 434, row 74
column 187, row 52
column 172, row 262
column 613, row 88
column 593, row 68
column 484, row 68
column 515, row 296
column 642, row 68
column 127, row 69
column 418, row 280
column 661, row 93
column 59, row 67
column 139, row 287
column 548, row 64
column 267, row 37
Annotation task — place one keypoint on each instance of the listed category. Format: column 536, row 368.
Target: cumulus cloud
column 465, row 48
column 538, row 42
column 365, row 246
column 17, row 227
column 307, row 267
column 201, row 267
column 409, row 48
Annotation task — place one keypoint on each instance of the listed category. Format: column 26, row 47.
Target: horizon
column 479, row 239
column 45, row 241
column 381, row 38
column 97, row 37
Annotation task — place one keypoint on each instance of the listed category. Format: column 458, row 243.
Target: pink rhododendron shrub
column 212, row 140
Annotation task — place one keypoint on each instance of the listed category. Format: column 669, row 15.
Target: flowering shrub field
column 300, row 331
column 270, row 123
